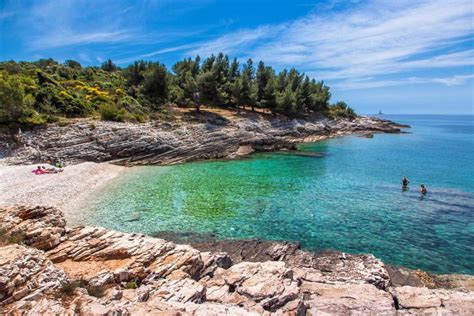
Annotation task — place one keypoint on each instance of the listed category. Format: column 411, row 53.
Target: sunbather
column 38, row 171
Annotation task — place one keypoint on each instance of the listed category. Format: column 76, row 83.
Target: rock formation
column 206, row 137
column 46, row 267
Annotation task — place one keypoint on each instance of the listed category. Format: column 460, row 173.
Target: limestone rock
column 270, row 284
column 168, row 143
column 435, row 301
column 39, row 227
column 27, row 274
column 343, row 299
column 136, row 274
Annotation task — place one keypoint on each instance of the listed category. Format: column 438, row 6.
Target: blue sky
column 398, row 56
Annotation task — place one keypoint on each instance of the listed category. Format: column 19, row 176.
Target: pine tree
column 269, row 97
column 247, row 95
column 155, row 86
column 286, row 101
column 303, row 96
column 109, row 66
column 262, row 79
column 207, row 88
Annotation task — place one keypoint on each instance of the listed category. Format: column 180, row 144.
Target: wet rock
column 253, row 250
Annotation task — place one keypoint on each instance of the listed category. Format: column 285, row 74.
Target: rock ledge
column 48, row 268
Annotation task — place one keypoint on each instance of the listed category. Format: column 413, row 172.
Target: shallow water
column 349, row 199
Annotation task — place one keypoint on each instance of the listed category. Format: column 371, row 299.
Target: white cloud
column 155, row 53
column 235, row 42
column 370, row 83
column 62, row 23
column 454, row 80
column 61, row 39
column 375, row 39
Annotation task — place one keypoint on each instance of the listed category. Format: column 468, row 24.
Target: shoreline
column 69, row 189
column 65, row 190
column 97, row 152
column 93, row 270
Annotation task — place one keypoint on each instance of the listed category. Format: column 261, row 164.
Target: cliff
column 209, row 135
column 47, row 267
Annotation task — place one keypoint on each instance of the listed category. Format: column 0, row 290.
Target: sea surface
column 347, row 198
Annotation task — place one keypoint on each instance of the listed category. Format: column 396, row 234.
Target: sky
column 400, row 56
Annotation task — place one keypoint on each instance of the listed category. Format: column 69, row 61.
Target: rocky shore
column 49, row 268
column 209, row 135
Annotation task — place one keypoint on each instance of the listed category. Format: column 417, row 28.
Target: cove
column 346, row 197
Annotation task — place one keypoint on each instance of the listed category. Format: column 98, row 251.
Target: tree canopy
column 43, row 91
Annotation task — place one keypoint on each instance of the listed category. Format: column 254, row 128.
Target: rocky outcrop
column 320, row 267
column 207, row 136
column 96, row 271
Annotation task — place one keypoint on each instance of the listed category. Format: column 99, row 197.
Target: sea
column 342, row 194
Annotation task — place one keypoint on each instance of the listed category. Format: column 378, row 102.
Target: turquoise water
column 349, row 199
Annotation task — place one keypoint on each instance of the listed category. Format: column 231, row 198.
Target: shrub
column 131, row 285
column 140, row 118
column 111, row 112
column 69, row 288
column 16, row 105
column 341, row 110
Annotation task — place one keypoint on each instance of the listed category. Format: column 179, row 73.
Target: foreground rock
column 91, row 270
column 205, row 136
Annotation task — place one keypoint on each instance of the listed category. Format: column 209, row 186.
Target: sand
column 18, row 185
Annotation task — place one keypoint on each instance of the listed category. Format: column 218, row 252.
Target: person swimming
column 423, row 190
column 405, row 182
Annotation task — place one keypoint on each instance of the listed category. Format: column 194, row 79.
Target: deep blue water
column 349, row 199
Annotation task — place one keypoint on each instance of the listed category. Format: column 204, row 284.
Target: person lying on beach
column 38, row 171
column 423, row 190
column 51, row 170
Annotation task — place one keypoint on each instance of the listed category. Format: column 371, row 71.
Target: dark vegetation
column 35, row 93
column 69, row 288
